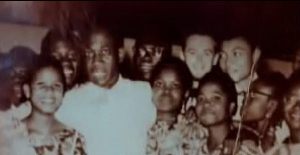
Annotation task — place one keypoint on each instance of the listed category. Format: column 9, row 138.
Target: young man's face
column 101, row 60
column 292, row 108
column 236, row 58
column 69, row 59
column 199, row 54
column 147, row 58
column 258, row 103
column 212, row 105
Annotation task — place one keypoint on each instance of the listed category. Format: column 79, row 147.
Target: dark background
column 276, row 24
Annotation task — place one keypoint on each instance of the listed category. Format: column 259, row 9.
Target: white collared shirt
column 114, row 121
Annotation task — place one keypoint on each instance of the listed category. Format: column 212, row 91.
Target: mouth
column 48, row 101
column 146, row 67
column 68, row 72
column 295, row 116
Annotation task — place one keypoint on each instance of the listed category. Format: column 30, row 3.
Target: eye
column 58, row 86
column 158, row 84
column 216, row 98
column 236, row 53
column 192, row 51
column 106, row 51
column 208, row 53
column 176, row 85
column 200, row 99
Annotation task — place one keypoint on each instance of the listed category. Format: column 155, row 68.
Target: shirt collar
column 240, row 90
column 114, row 87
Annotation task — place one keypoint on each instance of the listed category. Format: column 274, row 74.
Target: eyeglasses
column 292, row 99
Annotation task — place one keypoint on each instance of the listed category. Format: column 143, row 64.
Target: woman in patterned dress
column 45, row 89
column 170, row 80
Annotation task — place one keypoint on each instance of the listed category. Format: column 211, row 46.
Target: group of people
column 79, row 96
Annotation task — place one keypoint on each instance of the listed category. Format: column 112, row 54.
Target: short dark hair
column 249, row 37
column 223, row 80
column 178, row 66
column 47, row 62
column 22, row 55
column 197, row 31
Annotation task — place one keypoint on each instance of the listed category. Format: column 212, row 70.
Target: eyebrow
column 239, row 48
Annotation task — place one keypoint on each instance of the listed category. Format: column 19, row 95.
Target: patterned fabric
column 176, row 139
column 66, row 142
column 203, row 150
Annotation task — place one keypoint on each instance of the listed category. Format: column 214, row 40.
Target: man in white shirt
column 112, row 113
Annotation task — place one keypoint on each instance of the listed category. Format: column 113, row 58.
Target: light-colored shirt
column 242, row 92
column 113, row 121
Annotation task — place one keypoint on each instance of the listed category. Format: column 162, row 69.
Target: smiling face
column 69, row 59
column 199, row 54
column 292, row 108
column 46, row 90
column 101, row 60
column 147, row 58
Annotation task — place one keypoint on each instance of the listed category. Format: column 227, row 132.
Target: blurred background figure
column 151, row 48
column 63, row 48
column 296, row 63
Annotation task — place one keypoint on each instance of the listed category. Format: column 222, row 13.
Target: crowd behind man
column 77, row 97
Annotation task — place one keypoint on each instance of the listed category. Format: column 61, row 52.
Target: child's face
column 212, row 105
column 47, row 91
column 167, row 91
column 292, row 108
column 236, row 59
column 199, row 55
column 258, row 103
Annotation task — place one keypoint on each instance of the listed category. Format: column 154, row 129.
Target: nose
column 147, row 57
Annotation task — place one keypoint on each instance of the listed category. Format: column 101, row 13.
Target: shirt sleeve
column 150, row 109
column 66, row 113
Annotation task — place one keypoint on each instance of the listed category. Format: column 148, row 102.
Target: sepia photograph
column 149, row 77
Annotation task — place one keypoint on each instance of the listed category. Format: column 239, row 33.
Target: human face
column 296, row 63
column 101, row 60
column 212, row 107
column 167, row 91
column 46, row 91
column 199, row 55
column 236, row 59
column 292, row 108
column 69, row 59
column 257, row 106
column 19, row 74
column 147, row 58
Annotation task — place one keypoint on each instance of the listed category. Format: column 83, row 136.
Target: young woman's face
column 167, row 91
column 47, row 91
column 212, row 107
column 292, row 108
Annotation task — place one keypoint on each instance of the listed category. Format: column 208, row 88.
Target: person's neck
column 244, row 83
column 295, row 136
column 169, row 118
column 217, row 134
column 112, row 82
column 39, row 122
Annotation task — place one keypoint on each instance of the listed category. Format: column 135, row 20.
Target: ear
column 272, row 105
column 216, row 59
column 256, row 55
column 26, row 90
column 121, row 54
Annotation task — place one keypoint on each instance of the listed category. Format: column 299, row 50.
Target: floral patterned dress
column 65, row 142
column 177, row 139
